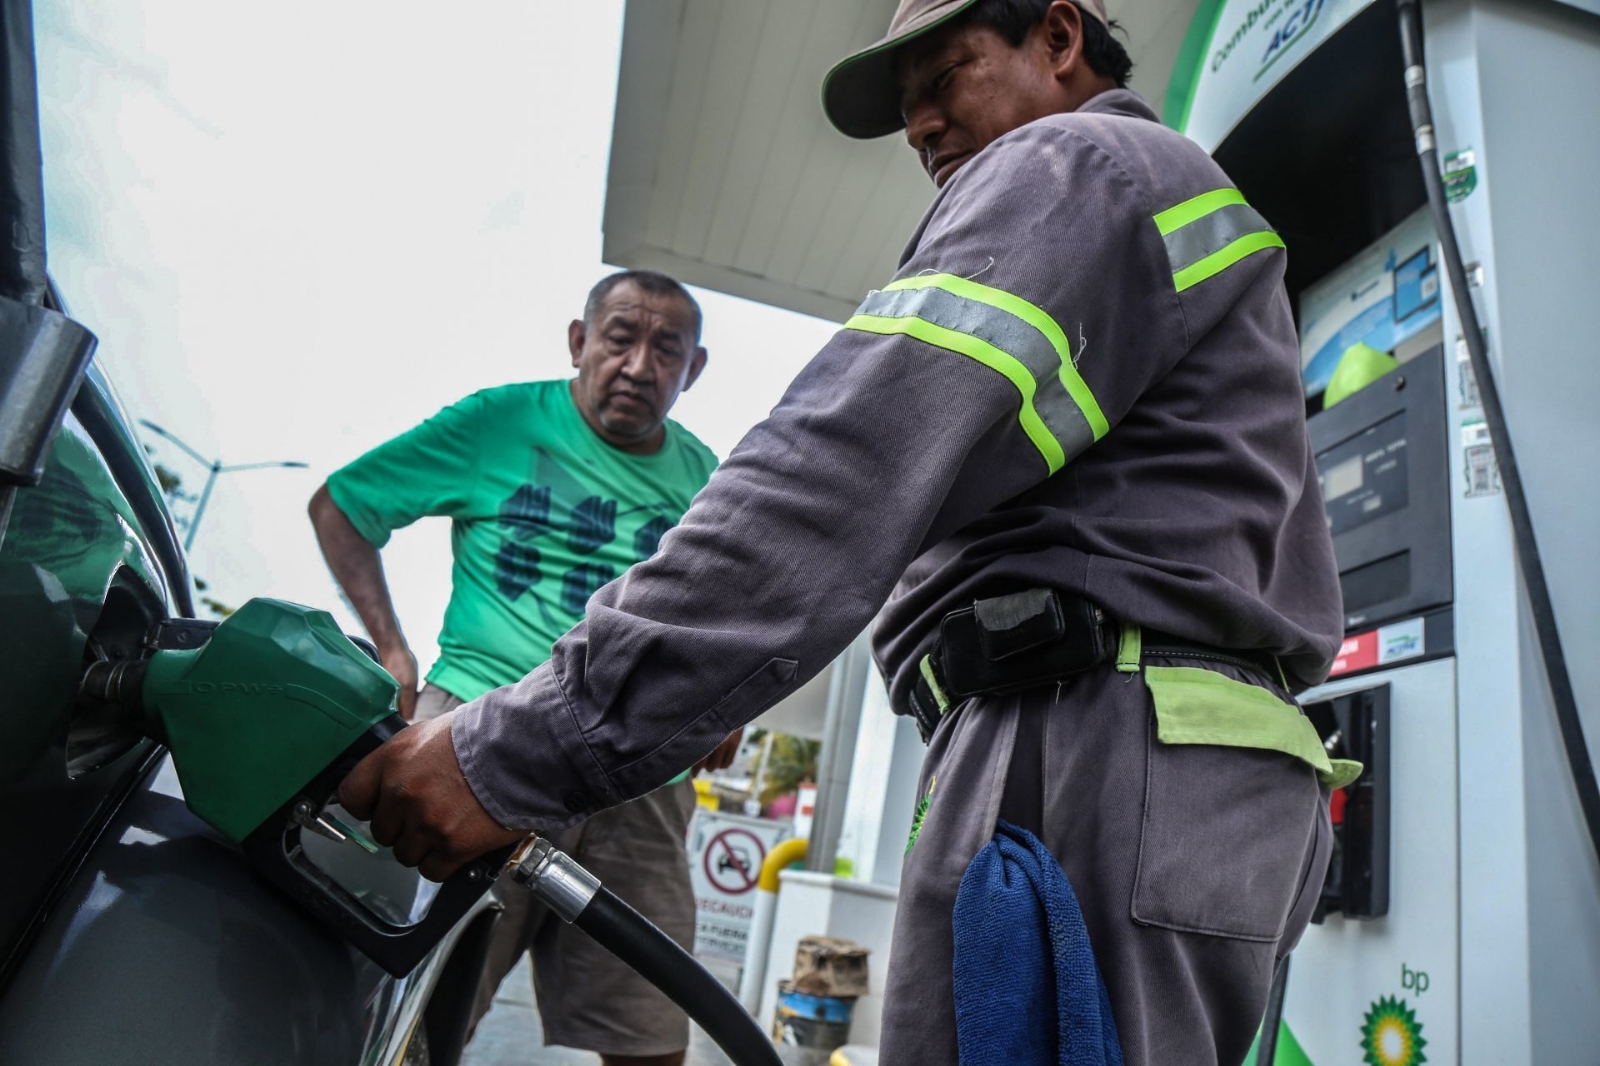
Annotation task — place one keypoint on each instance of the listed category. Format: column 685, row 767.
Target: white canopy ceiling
column 725, row 174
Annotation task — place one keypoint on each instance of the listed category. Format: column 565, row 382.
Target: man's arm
column 427, row 470
column 358, row 569
column 722, row 755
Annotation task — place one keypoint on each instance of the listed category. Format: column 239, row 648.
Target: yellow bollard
column 755, row 952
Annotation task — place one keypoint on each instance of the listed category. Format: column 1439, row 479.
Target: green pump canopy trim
column 1191, row 59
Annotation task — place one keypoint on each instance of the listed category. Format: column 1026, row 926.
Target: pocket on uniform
column 1226, row 832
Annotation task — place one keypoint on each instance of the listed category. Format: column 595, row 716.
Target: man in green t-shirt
column 554, row 488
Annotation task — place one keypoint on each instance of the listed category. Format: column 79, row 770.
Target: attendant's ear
column 1063, row 35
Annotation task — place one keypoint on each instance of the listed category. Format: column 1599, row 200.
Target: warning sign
column 725, row 856
column 732, row 861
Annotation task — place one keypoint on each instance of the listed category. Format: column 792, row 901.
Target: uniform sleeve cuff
column 524, row 758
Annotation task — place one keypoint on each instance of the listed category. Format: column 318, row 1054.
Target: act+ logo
column 1295, row 23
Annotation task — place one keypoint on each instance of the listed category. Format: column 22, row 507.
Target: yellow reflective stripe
column 983, row 352
column 1207, row 234
column 1217, row 262
column 1036, row 317
column 1002, row 330
column 1195, row 208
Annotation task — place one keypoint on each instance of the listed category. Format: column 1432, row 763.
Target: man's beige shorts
column 587, row 999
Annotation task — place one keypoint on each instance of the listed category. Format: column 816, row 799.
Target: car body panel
column 71, row 539
column 167, row 950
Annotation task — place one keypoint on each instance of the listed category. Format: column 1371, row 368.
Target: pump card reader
column 265, row 714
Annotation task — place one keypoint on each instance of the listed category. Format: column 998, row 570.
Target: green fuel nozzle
column 254, row 714
column 264, row 716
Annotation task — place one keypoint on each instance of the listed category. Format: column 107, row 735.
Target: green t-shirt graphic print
column 544, row 512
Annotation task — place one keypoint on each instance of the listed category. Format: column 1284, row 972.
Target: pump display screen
column 1365, row 477
column 1343, row 479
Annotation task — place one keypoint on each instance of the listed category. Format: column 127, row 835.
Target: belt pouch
column 1018, row 641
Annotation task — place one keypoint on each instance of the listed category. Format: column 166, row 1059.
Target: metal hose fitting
column 554, row 878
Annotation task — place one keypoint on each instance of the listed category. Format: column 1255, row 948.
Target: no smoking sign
column 725, row 856
column 733, row 860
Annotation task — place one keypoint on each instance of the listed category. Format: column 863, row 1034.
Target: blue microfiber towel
column 1027, row 990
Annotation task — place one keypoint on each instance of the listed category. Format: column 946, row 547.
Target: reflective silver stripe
column 1189, row 244
column 1005, row 331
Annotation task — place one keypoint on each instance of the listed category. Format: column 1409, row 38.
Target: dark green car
column 131, row 932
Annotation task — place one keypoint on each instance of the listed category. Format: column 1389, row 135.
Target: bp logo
column 1392, row 1036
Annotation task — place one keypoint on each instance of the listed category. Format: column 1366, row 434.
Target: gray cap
column 860, row 95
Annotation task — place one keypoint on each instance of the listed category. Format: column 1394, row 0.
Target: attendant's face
column 964, row 87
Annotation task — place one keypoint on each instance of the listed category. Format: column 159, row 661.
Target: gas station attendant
column 1062, row 458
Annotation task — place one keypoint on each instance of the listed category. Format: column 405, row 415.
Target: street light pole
column 213, row 468
column 200, row 508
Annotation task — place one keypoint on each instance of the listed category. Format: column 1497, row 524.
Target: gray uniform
column 1085, row 376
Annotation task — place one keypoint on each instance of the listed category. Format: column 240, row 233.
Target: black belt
column 1033, row 638
column 1158, row 644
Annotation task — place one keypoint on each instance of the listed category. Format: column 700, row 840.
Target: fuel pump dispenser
column 1460, row 921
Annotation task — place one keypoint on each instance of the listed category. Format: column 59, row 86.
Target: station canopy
column 725, row 174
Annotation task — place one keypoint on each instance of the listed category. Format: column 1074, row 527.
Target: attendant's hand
column 722, row 755
column 419, row 803
column 398, row 660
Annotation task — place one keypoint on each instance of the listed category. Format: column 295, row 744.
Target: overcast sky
column 299, row 228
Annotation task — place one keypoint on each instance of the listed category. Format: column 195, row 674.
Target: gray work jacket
column 1084, row 375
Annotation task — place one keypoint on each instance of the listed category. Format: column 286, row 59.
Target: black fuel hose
column 577, row 897
column 1544, row 615
column 657, row 958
